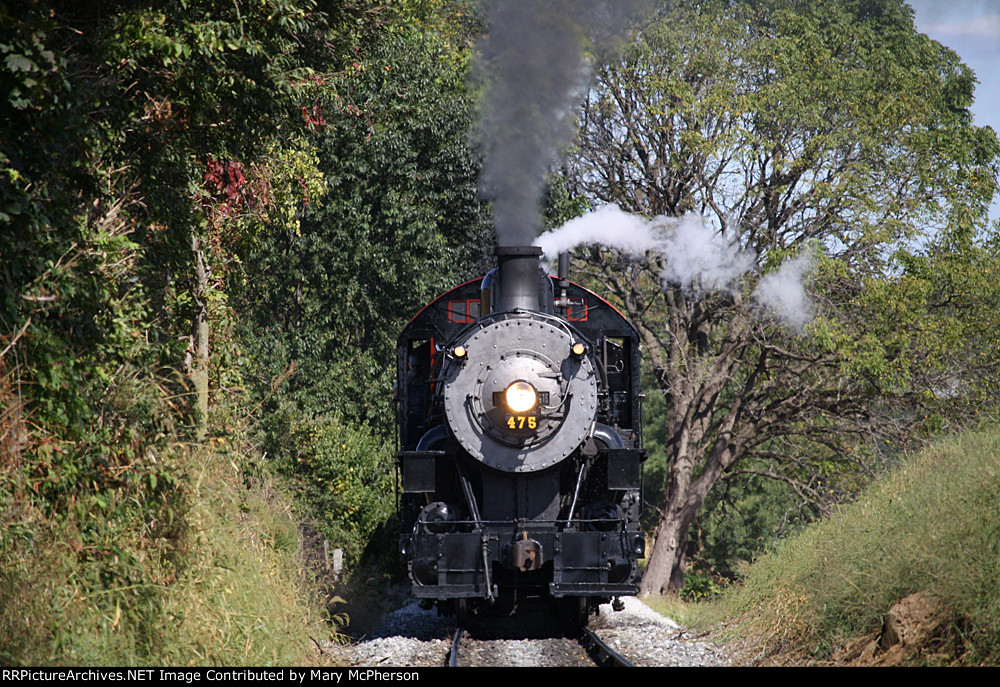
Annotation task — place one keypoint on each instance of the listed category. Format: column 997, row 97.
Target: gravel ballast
column 413, row 637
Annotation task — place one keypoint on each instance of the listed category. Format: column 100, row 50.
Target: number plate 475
column 522, row 422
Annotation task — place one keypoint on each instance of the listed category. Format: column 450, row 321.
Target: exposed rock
column 910, row 627
column 912, row 621
column 913, row 629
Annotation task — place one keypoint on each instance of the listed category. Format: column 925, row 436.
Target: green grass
column 700, row 615
column 241, row 601
column 932, row 525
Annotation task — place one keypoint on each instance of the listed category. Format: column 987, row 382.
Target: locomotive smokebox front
column 518, row 398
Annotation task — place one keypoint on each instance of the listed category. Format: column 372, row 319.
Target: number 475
column 522, row 421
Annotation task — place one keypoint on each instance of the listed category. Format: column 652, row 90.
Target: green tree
column 396, row 220
column 791, row 126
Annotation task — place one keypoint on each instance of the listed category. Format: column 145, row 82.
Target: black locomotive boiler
column 519, row 469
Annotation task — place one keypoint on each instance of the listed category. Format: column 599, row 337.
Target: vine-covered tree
column 792, row 127
column 138, row 143
column 129, row 141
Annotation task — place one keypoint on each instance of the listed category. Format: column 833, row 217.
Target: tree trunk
column 199, row 367
column 685, row 495
column 665, row 571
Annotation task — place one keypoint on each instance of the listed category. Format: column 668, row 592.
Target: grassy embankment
column 212, row 579
column 932, row 527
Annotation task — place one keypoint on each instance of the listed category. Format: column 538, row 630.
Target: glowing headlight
column 520, row 397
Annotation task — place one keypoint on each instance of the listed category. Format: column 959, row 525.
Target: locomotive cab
column 519, row 469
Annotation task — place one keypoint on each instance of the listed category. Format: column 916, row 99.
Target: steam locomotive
column 519, row 469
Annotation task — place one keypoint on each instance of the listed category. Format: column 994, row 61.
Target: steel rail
column 453, row 654
column 603, row 654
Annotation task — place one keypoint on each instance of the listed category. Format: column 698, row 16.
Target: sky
column 972, row 29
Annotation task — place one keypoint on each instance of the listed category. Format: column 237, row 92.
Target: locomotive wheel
column 574, row 612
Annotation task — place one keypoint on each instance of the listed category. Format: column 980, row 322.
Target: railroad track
column 555, row 651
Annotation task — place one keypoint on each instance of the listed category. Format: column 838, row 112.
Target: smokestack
column 518, row 276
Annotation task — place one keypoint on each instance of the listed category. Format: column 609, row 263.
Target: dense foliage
column 395, row 221
column 114, row 120
column 159, row 161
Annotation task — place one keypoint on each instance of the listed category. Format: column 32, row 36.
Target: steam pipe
column 563, row 282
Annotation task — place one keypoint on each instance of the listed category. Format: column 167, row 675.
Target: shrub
column 343, row 470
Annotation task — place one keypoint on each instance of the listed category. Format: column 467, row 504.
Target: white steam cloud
column 784, row 293
column 695, row 256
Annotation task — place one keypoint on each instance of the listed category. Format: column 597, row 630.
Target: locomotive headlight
column 520, row 397
column 578, row 349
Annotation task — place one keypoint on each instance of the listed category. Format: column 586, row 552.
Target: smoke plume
column 695, row 256
column 534, row 69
